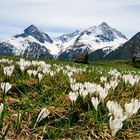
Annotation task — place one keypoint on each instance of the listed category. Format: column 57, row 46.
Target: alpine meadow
column 48, row 100
column 69, row 69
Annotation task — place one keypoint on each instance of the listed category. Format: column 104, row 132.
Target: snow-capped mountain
column 92, row 39
column 32, row 42
column 36, row 43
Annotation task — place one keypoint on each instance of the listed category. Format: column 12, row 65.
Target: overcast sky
column 63, row 16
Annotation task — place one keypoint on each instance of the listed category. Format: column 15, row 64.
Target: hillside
column 129, row 50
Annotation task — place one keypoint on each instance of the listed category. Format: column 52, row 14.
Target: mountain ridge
column 36, row 43
column 92, row 39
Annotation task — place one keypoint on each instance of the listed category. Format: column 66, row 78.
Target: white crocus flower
column 107, row 86
column 118, row 113
column 114, row 84
column 22, row 68
column 115, row 109
column 95, row 102
column 73, row 96
column 8, row 70
column 132, row 108
column 115, row 125
column 30, row 72
column 43, row 114
column 1, row 109
column 6, row 87
column 76, row 87
column 103, row 79
column 111, row 105
column 103, row 93
column 35, row 73
column 40, row 76
column 52, row 74
column 83, row 92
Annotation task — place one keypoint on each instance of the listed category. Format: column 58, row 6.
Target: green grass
column 127, row 64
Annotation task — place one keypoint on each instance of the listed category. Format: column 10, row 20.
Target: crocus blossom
column 95, row 102
column 43, row 114
column 6, row 87
column 115, row 125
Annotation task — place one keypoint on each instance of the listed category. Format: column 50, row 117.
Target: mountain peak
column 31, row 29
column 104, row 24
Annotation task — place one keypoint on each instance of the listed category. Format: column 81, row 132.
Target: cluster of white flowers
column 127, row 76
column 97, row 92
column 131, row 79
column 114, row 73
column 116, row 112
column 23, row 64
column 6, row 61
column 90, row 88
column 131, row 108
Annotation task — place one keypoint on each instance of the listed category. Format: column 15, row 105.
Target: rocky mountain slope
column 129, row 50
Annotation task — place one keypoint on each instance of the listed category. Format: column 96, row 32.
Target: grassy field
column 116, row 64
column 58, row 103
